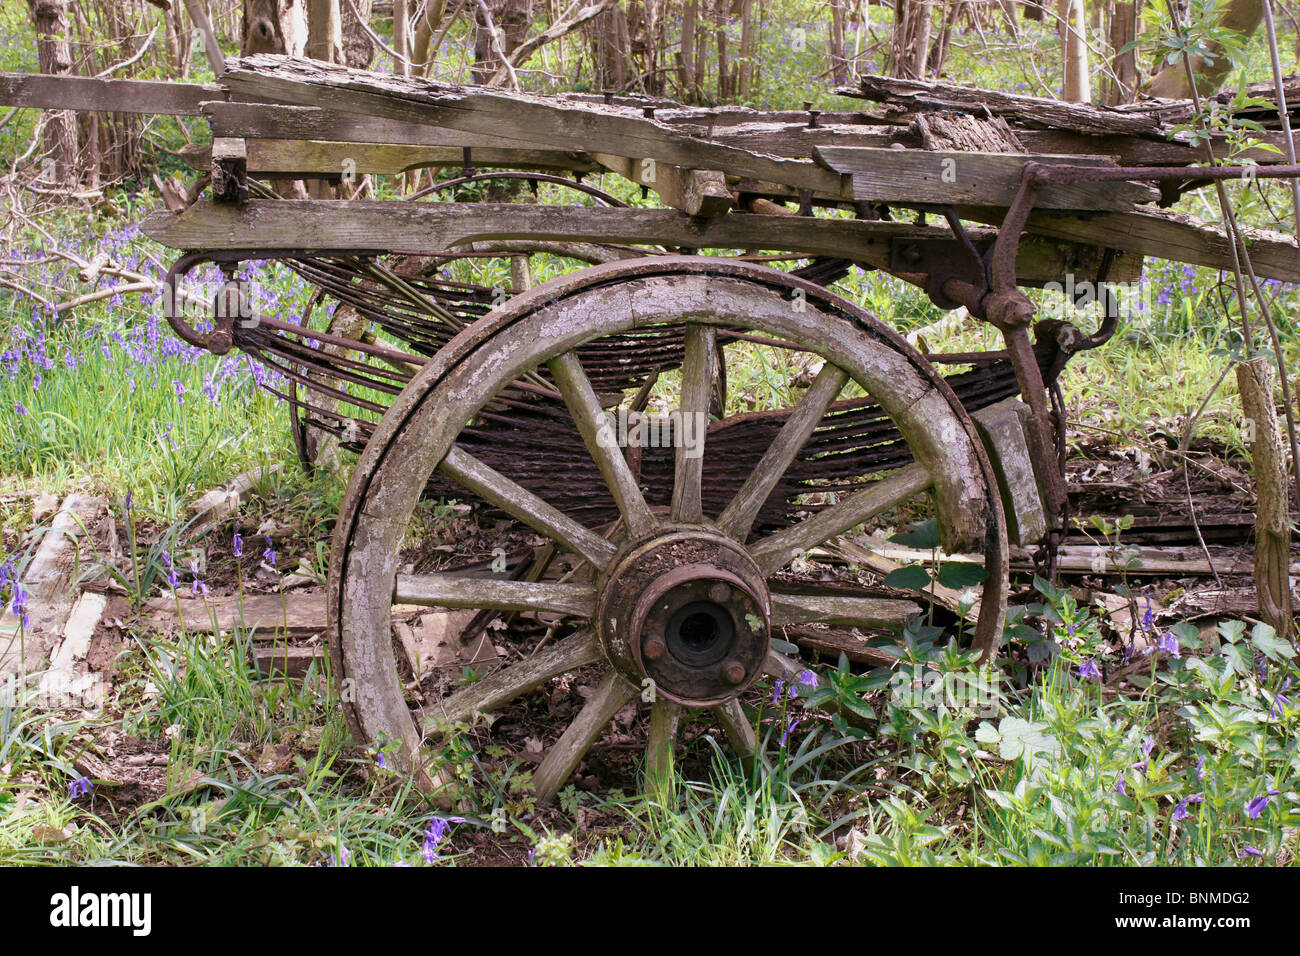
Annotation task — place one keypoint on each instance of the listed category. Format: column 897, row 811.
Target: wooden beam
column 111, row 96
column 308, row 157
column 1163, row 234
column 695, row 192
column 993, row 179
column 433, row 228
column 229, row 170
column 518, row 117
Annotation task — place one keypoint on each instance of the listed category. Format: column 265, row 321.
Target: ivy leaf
column 961, row 574
column 911, row 577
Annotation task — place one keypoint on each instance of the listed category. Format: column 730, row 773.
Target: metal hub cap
column 688, row 610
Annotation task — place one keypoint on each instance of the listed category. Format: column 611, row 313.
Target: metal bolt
column 648, row 112
column 734, row 672
column 719, row 593
column 653, row 649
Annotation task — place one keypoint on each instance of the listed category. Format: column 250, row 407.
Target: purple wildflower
column 1147, row 746
column 791, row 722
column 1119, row 787
column 1255, row 806
column 808, row 678
column 1181, row 812
column 1280, row 699
column 269, row 554
column 18, row 407
column 776, row 690
column 237, row 543
column 1089, row 670
column 1148, row 617
column 180, row 390
column 1249, row 850
column 80, row 787
column 439, row 828
column 1169, row 644
column 198, row 588
column 1200, row 769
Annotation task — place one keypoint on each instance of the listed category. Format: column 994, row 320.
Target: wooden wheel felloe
column 680, row 598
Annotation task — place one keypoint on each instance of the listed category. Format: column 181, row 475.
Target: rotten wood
column 1255, row 380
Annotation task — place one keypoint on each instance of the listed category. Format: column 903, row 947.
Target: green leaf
column 1270, row 645
column 911, row 577
column 924, row 535
column 961, row 574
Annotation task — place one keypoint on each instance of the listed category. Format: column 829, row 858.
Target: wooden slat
column 1165, row 235
column 445, row 590
column 106, row 95
column 992, row 179
column 290, row 156
column 428, row 228
column 518, row 117
column 694, row 192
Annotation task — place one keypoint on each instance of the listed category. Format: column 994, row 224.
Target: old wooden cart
column 672, row 567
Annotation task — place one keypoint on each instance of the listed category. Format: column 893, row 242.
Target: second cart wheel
column 683, row 592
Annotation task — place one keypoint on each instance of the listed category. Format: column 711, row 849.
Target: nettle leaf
column 911, row 577
column 1238, row 658
column 961, row 574
column 1270, row 645
column 924, row 535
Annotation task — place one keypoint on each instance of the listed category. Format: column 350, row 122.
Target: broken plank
column 284, row 660
column 48, row 581
column 525, row 118
column 436, row 228
column 846, row 610
column 831, row 642
column 694, row 192
column 266, row 615
column 914, row 176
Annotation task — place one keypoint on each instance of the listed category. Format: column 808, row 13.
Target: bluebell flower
column 1200, row 769
column 269, row 554
column 237, row 542
column 1181, row 812
column 1255, row 806
column 1249, row 850
column 791, row 722
column 80, row 787
column 808, row 678
column 1169, row 644
column 1089, row 670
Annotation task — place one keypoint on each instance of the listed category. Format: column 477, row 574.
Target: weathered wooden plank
column 107, row 95
column 695, row 192
column 844, row 610
column 517, row 117
column 446, row 590
column 1163, row 234
column 288, row 157
column 229, row 170
column 993, row 179
column 431, row 228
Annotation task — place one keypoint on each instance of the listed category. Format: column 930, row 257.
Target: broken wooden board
column 915, row 96
column 437, row 228
column 265, row 615
column 1003, row 427
column 299, row 157
column 285, row 660
column 517, row 117
column 915, row 176
column 48, row 581
column 694, row 192
column 219, row 504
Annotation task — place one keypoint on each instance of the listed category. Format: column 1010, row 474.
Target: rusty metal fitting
column 689, row 610
column 1009, row 309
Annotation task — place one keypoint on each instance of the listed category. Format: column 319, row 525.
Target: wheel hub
column 688, row 610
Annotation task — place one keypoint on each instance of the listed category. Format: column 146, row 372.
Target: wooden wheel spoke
column 739, row 730
column 738, row 517
column 841, row 610
column 777, row 550
column 515, row 680
column 661, row 740
column 520, row 503
column 564, row 756
column 447, row 590
column 598, row 434
column 698, row 368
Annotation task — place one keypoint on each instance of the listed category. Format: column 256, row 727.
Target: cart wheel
column 682, row 599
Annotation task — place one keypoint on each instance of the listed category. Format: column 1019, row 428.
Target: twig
column 138, row 53
column 496, row 44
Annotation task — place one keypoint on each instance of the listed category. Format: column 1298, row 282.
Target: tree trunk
column 54, row 56
column 1244, row 17
column 611, row 48
column 1272, row 521
column 511, row 20
column 687, row 66
column 271, row 27
column 720, row 10
column 747, row 46
column 324, row 31
column 425, row 30
column 910, row 42
column 1123, row 30
column 839, row 62
column 1078, row 87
